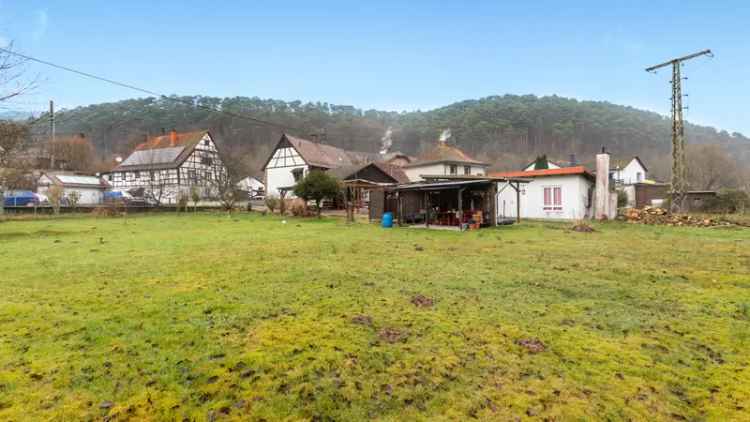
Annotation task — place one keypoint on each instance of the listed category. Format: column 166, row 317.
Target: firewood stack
column 660, row 216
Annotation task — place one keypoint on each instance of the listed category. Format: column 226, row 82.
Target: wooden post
column 460, row 208
column 493, row 203
column 518, row 202
column 427, row 209
column 400, row 209
column 349, row 209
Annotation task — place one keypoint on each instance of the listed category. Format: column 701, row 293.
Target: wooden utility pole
column 679, row 173
column 52, row 131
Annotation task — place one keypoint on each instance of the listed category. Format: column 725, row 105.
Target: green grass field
column 209, row 317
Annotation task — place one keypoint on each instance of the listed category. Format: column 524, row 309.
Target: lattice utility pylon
column 679, row 170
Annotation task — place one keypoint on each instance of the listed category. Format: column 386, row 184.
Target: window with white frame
column 553, row 198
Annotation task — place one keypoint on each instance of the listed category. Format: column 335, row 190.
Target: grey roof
column 153, row 156
column 77, row 180
column 442, row 185
column 317, row 154
column 163, row 152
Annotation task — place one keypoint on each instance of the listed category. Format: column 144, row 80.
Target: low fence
column 85, row 208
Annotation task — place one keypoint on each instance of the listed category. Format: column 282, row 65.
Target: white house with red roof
column 565, row 193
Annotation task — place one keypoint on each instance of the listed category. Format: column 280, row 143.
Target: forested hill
column 505, row 130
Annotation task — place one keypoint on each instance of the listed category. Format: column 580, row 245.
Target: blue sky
column 389, row 55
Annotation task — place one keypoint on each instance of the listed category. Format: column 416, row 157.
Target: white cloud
column 40, row 25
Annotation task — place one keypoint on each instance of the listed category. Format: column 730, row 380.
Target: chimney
column 82, row 135
column 573, row 161
column 172, row 137
column 163, row 131
column 601, row 192
column 314, row 138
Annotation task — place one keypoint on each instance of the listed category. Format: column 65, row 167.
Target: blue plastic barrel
column 387, row 221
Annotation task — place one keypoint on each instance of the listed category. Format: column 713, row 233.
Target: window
column 208, row 175
column 192, row 176
column 467, row 170
column 454, row 169
column 553, row 198
column 206, row 142
column 206, row 161
column 639, row 176
column 297, row 174
column 151, row 175
column 138, row 175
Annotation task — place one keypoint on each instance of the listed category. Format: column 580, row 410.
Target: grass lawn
column 209, row 317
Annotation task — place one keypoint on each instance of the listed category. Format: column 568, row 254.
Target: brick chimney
column 173, row 137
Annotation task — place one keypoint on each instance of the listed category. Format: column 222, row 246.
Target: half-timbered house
column 165, row 166
column 294, row 157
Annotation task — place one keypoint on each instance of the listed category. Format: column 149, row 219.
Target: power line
column 145, row 91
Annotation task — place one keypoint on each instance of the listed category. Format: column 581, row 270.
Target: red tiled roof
column 172, row 140
column 579, row 170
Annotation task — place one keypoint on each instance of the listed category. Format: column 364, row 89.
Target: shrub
column 317, row 186
column 182, row 201
column 73, row 199
column 272, row 202
column 729, row 201
column 299, row 208
column 622, row 199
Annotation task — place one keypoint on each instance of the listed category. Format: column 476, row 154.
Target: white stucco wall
column 574, row 189
column 632, row 173
column 281, row 177
column 86, row 196
column 414, row 173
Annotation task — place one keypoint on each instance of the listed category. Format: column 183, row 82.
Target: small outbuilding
column 89, row 189
column 457, row 202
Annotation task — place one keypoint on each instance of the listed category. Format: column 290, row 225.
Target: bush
column 182, row 201
column 728, row 201
column 317, row 186
column 622, row 199
column 272, row 202
column 299, row 208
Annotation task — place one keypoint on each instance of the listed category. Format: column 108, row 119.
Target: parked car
column 127, row 199
column 22, row 199
column 257, row 195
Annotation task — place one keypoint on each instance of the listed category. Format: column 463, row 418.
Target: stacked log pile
column 660, row 216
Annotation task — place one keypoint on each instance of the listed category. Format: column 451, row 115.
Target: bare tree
column 12, row 139
column 56, row 195
column 156, row 181
column 12, row 75
column 711, row 167
column 75, row 151
column 222, row 186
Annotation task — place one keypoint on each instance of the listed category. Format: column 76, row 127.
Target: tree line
column 507, row 131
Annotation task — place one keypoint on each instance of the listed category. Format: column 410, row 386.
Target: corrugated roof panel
column 153, row 156
column 79, row 180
